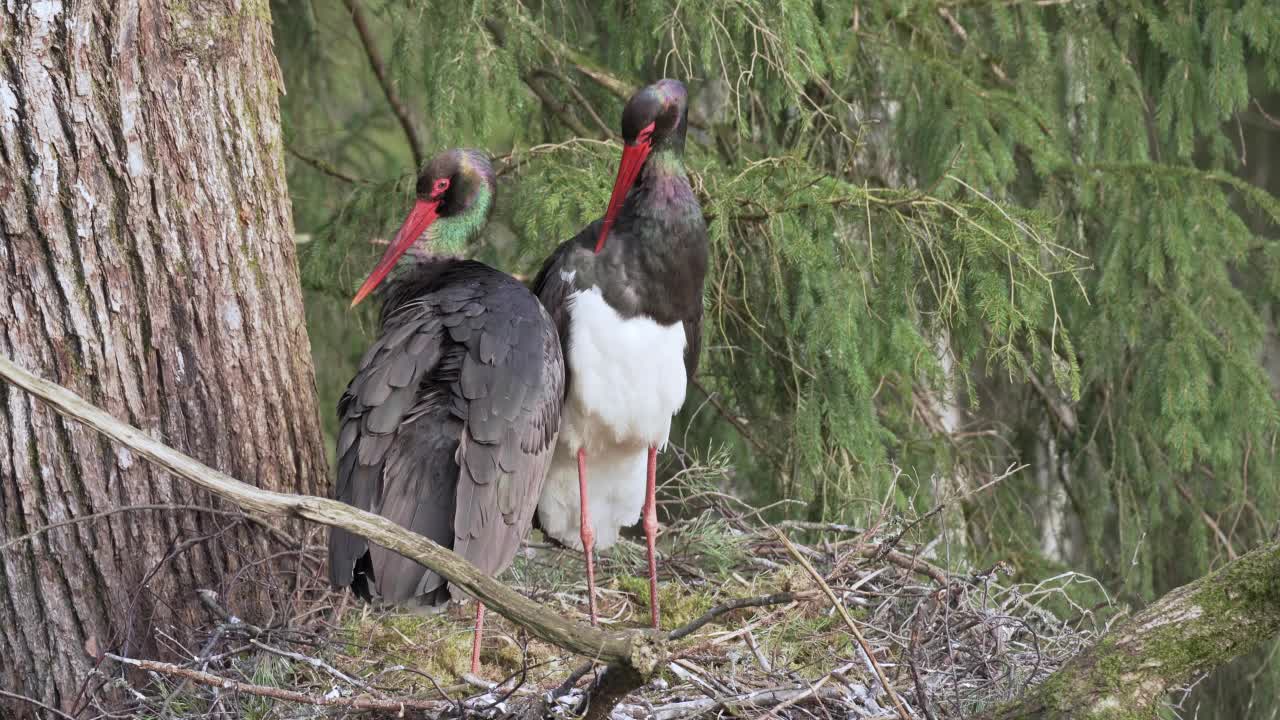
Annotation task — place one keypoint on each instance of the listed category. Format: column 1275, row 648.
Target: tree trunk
column 147, row 261
column 1192, row 630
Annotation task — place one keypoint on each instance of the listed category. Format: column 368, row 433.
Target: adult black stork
column 448, row 427
column 626, row 294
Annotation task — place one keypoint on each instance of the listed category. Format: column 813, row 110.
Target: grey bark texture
column 146, row 261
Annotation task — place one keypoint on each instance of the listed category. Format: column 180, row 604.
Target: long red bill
column 633, row 157
column 420, row 218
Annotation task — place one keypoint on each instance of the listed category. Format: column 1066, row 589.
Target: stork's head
column 455, row 195
column 655, row 118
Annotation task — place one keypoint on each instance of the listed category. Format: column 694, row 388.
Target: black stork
column 449, row 425
column 626, row 295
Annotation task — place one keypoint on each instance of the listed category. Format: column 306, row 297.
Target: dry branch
column 398, row 107
column 636, row 650
column 356, row 703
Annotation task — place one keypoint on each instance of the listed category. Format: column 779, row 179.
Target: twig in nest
column 314, row 662
column 844, row 613
column 209, row 599
column 567, row 686
column 717, row 611
column 113, row 511
column 357, row 703
column 906, row 562
column 35, row 702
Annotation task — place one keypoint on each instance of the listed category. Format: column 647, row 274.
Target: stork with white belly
column 626, row 296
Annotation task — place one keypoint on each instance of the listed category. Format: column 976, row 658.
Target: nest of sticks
column 793, row 620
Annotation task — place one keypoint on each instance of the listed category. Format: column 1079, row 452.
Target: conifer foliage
column 947, row 237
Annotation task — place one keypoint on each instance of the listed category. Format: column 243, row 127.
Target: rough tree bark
column 146, row 260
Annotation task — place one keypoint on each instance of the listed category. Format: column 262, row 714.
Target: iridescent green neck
column 667, row 161
column 450, row 235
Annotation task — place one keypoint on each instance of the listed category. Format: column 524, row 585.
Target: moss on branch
column 1191, row 630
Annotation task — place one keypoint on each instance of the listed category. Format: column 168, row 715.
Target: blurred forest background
column 950, row 239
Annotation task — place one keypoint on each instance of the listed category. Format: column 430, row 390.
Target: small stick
column 717, row 611
column 844, row 613
column 313, row 662
column 204, row 678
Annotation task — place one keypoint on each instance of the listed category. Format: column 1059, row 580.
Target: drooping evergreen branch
column 605, row 130
column 322, row 166
column 562, row 112
column 620, row 88
column 384, row 80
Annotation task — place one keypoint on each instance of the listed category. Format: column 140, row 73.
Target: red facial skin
column 633, row 157
column 424, row 213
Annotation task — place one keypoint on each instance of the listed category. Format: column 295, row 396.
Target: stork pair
column 481, row 402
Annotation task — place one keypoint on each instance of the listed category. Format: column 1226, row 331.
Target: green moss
column 676, row 605
column 433, row 644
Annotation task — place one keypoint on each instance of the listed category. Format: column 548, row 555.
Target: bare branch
column 636, row 650
column 380, row 70
column 397, row 706
column 322, row 166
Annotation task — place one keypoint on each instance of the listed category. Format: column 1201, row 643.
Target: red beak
column 420, row 218
column 633, row 157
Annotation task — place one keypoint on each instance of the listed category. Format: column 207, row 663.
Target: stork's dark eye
column 438, row 188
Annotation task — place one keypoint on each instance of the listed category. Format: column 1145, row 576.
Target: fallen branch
column 397, row 706
column 638, row 650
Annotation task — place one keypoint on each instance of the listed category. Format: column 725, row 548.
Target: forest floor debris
column 758, row 634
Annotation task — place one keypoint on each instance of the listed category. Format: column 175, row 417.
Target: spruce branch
column 380, row 71
column 605, row 130
column 557, row 108
column 620, row 88
column 322, row 166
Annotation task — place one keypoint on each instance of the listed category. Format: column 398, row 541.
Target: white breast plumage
column 628, row 379
column 628, row 373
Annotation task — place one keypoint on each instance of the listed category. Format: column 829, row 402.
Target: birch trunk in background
column 147, row 262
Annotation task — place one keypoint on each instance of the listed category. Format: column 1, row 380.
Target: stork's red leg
column 588, row 534
column 475, row 639
column 650, row 521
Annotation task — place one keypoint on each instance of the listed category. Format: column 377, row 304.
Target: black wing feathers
column 448, row 426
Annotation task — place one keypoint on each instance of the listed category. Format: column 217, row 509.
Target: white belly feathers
column 628, row 375
column 628, row 380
